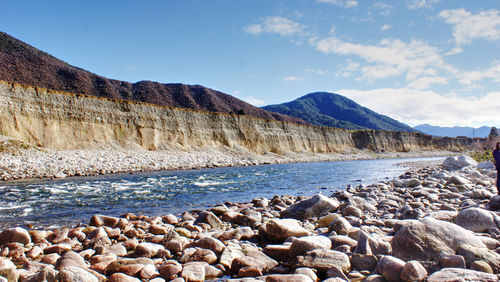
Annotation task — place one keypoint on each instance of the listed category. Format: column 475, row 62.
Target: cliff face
column 22, row 63
column 64, row 121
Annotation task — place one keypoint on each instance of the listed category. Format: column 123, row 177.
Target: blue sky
column 418, row 61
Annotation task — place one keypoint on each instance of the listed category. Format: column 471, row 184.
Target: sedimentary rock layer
column 65, row 121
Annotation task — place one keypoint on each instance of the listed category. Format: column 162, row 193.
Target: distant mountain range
column 334, row 110
column 455, row 131
column 22, row 63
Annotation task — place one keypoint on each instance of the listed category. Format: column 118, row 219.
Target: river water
column 69, row 201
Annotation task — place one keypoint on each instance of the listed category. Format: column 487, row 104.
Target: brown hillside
column 22, row 63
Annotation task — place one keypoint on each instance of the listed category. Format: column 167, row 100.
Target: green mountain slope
column 334, row 110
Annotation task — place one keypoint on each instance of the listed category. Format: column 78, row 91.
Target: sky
column 417, row 61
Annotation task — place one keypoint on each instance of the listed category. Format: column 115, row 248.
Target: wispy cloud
column 415, row 106
column 419, row 4
column 275, row 25
column 341, row 3
column 493, row 72
column 385, row 27
column 386, row 9
column 390, row 57
column 454, row 51
column 293, row 78
column 468, row 26
column 254, row 101
column 317, row 72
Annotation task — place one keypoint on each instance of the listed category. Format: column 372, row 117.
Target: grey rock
column 460, row 274
column 458, row 162
column 322, row 260
column 390, row 268
column 316, row 206
column 476, row 219
column 305, row 244
column 472, row 253
column 75, row 273
column 425, row 239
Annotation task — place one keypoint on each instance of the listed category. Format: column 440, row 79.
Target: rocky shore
column 20, row 160
column 430, row 224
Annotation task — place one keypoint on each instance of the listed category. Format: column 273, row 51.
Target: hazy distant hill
column 334, row 110
column 455, row 131
column 22, row 63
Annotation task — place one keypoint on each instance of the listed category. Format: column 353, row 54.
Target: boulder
column 305, row 244
column 426, row 238
column 485, row 165
column 457, row 180
column 71, row 258
column 413, row 271
column 253, row 259
column 278, row 252
column 340, row 225
column 458, row 162
column 99, row 220
column 121, row 277
column 472, row 253
column 308, row 272
column 476, row 219
column 390, row 268
column 364, row 262
column 198, row 254
column 494, row 203
column 13, row 235
column 75, row 273
column 278, row 230
column 460, row 274
column 148, row 250
column 288, row 278
column 209, row 218
column 322, row 260
column 315, row 206
column 210, row 243
column 98, row 237
column 453, row 261
column 8, row 270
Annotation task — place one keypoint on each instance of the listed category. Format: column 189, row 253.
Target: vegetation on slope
column 334, row 110
column 22, row 63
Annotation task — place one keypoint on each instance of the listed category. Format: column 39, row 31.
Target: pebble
column 420, row 226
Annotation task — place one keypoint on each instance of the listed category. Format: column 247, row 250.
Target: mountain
column 22, row 63
column 455, row 131
column 334, row 110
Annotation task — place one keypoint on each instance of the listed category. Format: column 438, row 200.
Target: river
column 63, row 202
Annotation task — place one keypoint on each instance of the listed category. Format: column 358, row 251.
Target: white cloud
column 426, row 82
column 385, row 27
column 317, row 72
column 454, row 51
column 414, row 106
column 254, row 29
column 292, row 78
column 341, row 3
column 386, row 8
column 492, row 72
column 419, row 4
column 254, row 101
column 391, row 57
column 275, row 25
column 468, row 26
column 347, row 70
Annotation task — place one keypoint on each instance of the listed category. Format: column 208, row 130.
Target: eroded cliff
column 66, row 121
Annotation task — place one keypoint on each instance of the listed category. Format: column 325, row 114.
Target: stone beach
column 438, row 223
column 19, row 160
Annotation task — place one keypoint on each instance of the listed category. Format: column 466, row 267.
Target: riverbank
column 430, row 224
column 22, row 161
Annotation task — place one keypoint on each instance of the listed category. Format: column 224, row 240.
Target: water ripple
column 73, row 200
